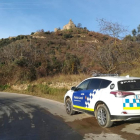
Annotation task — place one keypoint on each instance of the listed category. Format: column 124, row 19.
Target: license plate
column 137, row 97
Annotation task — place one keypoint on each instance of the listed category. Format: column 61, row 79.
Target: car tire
column 103, row 116
column 69, row 107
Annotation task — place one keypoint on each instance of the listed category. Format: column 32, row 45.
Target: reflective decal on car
column 89, row 109
column 131, row 104
column 83, row 101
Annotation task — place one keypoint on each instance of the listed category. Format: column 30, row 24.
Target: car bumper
column 124, row 118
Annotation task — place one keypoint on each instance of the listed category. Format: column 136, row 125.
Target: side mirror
column 73, row 88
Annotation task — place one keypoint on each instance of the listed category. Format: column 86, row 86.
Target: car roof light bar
column 102, row 75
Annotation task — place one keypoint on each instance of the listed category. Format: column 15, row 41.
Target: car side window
column 94, row 84
column 83, row 85
column 105, row 83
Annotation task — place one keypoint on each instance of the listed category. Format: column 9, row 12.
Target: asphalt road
column 24, row 117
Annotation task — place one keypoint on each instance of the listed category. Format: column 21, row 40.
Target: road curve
column 25, row 117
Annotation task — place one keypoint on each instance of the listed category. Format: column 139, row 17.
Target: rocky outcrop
column 68, row 26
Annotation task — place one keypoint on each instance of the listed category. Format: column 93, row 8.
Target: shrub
column 22, row 62
column 48, row 32
column 65, row 36
column 41, row 71
column 32, row 33
column 32, row 74
column 4, row 87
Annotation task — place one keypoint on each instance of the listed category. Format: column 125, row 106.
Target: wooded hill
column 29, row 57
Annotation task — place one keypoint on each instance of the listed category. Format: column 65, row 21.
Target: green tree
column 71, row 64
column 128, row 38
column 138, row 28
column 65, row 36
column 32, row 33
column 134, row 32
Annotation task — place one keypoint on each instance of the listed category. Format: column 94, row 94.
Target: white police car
column 108, row 98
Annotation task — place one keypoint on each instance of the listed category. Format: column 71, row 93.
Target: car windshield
column 129, row 85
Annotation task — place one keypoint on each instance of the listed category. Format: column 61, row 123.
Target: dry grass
column 51, row 93
column 49, row 87
column 133, row 73
column 55, row 87
column 63, row 78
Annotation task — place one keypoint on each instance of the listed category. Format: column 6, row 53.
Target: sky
column 21, row 17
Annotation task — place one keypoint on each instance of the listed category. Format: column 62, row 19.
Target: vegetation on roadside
column 43, row 60
column 42, row 91
column 134, row 72
column 4, row 87
column 51, row 87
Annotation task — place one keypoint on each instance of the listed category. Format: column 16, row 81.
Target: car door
column 79, row 94
column 93, row 93
column 83, row 98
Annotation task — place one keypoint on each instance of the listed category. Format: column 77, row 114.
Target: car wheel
column 69, row 107
column 103, row 116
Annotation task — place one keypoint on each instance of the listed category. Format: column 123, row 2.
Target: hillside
column 41, row 54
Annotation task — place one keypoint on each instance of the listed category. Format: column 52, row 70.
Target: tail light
column 124, row 112
column 121, row 94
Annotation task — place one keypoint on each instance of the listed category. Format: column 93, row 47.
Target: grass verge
column 49, row 87
column 134, row 73
column 42, row 91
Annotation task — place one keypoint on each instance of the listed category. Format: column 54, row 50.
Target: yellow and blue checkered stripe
column 131, row 104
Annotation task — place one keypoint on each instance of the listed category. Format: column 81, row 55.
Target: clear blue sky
column 26, row 16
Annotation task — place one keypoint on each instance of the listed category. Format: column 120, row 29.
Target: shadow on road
column 24, row 121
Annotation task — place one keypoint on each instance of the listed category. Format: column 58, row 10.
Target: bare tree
column 107, row 57
column 79, row 25
column 110, row 28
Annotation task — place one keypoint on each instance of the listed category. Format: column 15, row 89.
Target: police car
column 108, row 98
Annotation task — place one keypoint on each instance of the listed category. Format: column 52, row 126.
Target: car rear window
column 129, row 85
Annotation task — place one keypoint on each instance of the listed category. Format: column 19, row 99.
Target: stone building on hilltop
column 68, row 26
